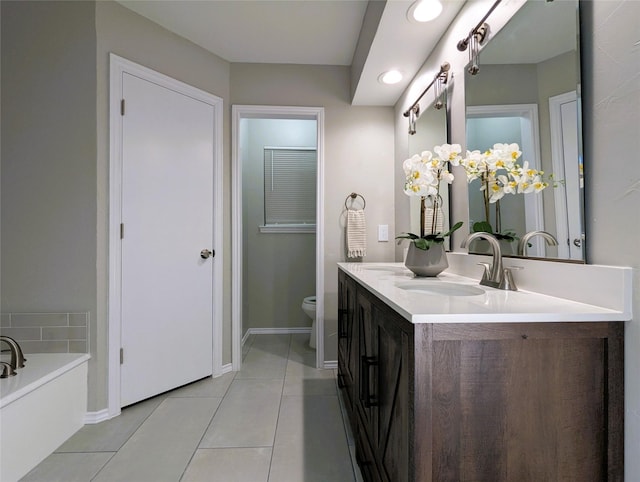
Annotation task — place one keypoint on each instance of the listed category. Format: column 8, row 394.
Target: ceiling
column 319, row 32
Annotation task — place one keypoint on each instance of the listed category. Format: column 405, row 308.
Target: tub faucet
column 524, row 241
column 17, row 358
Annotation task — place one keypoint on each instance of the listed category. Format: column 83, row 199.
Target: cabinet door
column 392, row 394
column 347, row 337
column 367, row 364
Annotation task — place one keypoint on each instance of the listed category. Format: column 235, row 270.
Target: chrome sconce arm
column 476, row 37
column 439, row 80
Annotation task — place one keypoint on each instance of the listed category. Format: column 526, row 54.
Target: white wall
column 358, row 156
column 611, row 116
column 611, row 108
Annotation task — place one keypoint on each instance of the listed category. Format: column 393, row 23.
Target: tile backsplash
column 48, row 332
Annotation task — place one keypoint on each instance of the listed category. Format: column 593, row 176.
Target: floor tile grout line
column 204, row 432
column 103, row 465
column 275, row 432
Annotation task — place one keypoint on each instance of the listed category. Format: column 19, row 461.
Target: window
column 289, row 189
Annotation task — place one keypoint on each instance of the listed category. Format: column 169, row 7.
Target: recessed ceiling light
column 424, row 10
column 390, row 77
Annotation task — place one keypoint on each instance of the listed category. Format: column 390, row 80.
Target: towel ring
column 353, row 196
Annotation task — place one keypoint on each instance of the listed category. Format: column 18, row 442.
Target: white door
column 167, row 216
column 563, row 110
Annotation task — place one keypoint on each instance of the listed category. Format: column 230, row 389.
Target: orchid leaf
column 482, row 227
column 454, row 228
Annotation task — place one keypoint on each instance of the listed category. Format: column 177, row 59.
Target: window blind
column 290, row 185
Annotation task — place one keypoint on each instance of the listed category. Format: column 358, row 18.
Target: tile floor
column 277, row 420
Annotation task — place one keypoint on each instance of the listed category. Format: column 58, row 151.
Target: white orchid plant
column 424, row 174
column 500, row 174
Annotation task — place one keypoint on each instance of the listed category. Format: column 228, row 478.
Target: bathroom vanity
column 447, row 381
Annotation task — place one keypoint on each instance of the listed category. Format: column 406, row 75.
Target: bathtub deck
column 42, row 406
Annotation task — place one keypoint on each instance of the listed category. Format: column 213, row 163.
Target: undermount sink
column 442, row 288
column 393, row 269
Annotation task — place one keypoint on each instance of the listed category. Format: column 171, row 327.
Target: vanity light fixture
column 439, row 80
column 414, row 113
column 424, row 10
column 390, row 77
column 476, row 37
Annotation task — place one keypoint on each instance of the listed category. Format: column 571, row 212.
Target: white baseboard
column 275, row 331
column 102, row 415
column 331, row 364
column 96, row 417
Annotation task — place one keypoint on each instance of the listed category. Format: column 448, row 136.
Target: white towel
column 428, row 220
column 356, row 233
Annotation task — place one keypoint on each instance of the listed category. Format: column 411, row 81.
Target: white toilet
column 309, row 307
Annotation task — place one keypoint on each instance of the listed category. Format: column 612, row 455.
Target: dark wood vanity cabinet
column 479, row 401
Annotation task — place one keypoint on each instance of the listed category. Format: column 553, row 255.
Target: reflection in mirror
column 431, row 130
column 527, row 92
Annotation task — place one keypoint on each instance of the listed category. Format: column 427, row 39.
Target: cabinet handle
column 340, row 381
column 342, row 323
column 368, row 399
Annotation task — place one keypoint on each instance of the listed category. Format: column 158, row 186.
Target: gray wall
column 48, row 158
column 358, row 157
column 279, row 269
column 48, row 168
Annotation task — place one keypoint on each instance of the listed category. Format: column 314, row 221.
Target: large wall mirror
column 430, row 130
column 528, row 92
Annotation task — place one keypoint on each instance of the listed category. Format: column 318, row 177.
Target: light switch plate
column 383, row 232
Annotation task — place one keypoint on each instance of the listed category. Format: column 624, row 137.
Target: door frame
column 118, row 66
column 558, row 162
column 277, row 112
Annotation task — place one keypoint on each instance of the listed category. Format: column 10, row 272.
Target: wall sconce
column 414, row 113
column 439, row 81
column 475, row 38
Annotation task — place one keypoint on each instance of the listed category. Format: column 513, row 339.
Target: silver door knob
column 205, row 253
column 577, row 242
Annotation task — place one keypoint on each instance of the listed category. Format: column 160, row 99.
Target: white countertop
column 489, row 306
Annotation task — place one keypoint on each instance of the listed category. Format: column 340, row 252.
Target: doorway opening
column 277, row 223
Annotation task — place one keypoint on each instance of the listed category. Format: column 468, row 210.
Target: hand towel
column 428, row 220
column 356, row 233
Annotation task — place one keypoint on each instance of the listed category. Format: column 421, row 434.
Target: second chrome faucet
column 495, row 275
column 17, row 358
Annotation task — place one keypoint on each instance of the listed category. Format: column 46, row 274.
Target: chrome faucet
column 524, row 240
column 494, row 275
column 17, row 358
column 6, row 370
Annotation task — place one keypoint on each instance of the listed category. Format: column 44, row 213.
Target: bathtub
column 40, row 408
